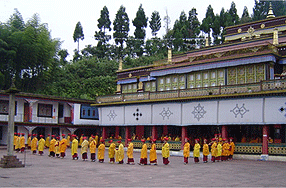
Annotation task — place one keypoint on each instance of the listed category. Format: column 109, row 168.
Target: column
column 116, row 131
column 224, row 131
column 72, row 113
column 165, row 130
column 127, row 134
column 31, row 103
column 184, row 135
column 104, row 133
column 265, row 130
column 154, row 132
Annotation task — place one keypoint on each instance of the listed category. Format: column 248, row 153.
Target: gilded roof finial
column 270, row 12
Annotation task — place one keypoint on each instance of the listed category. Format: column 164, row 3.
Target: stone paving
column 43, row 171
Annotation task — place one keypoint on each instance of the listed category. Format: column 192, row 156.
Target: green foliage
column 155, row 23
column 140, row 22
column 78, row 34
column 245, row 16
column 104, row 21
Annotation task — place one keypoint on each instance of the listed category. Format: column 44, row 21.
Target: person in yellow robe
column 219, row 150
column 225, row 150
column 143, row 156
column 196, row 152
column 90, row 138
column 69, row 140
column 206, row 151
column 22, row 142
column 213, row 149
column 92, row 149
column 96, row 139
column 166, row 151
column 177, row 139
column 101, row 150
column 47, row 143
column 15, row 140
column 34, row 144
column 80, row 140
column 120, row 152
column 74, row 147
column 232, row 148
column 57, row 147
column 186, row 151
column 84, row 148
column 29, row 141
column 111, row 151
column 52, row 146
column 41, row 145
column 18, row 145
column 153, row 154
column 130, row 159
column 63, row 146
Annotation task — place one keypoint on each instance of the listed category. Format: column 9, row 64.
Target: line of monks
column 221, row 149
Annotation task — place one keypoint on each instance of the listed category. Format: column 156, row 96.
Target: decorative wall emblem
column 137, row 114
column 166, row 113
column 283, row 110
column 112, row 115
column 239, row 110
column 199, row 112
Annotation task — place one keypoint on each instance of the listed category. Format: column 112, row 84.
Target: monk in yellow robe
column 111, row 151
column 101, row 150
column 80, row 140
column 34, row 144
column 196, row 152
column 52, row 149
column 41, row 145
column 96, row 138
column 63, row 146
column 225, row 150
column 166, row 151
column 90, row 138
column 120, row 152
column 213, row 149
column 206, row 151
column 130, row 159
column 153, row 154
column 22, row 143
column 29, row 141
column 47, row 143
column 219, row 150
column 232, row 148
column 177, row 139
column 69, row 140
column 74, row 147
column 143, row 156
column 57, row 147
column 84, row 148
column 18, row 145
column 186, row 151
column 92, row 149
column 15, row 140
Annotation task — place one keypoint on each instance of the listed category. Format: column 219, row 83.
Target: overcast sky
column 62, row 15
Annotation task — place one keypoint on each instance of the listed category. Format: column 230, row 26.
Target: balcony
column 260, row 87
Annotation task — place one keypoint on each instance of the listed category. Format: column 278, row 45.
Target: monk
column 15, row 140
column 96, row 138
column 196, row 151
column 80, row 140
column 29, row 141
column 69, row 140
column 130, row 159
column 34, row 144
column 111, row 151
column 63, row 146
column 219, row 150
column 18, row 145
column 84, row 148
column 120, row 152
column 52, row 147
column 74, row 147
column 41, row 145
column 47, row 143
column 206, row 151
column 22, row 142
column 225, row 150
column 143, row 156
column 153, row 154
column 213, row 149
column 232, row 148
column 57, row 147
column 101, row 150
column 166, row 151
column 186, row 151
column 92, row 149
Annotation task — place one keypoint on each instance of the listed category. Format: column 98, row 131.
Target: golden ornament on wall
column 130, row 75
column 262, row 26
column 239, row 30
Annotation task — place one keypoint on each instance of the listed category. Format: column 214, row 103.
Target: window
column 168, row 80
column 162, row 81
column 191, row 77
column 221, row 74
column 92, row 112
column 213, row 74
column 153, row 84
column 198, row 76
column 129, row 87
column 182, row 79
column 213, row 84
column 182, row 87
column 205, row 75
column 45, row 110
column 175, row 79
column 4, row 107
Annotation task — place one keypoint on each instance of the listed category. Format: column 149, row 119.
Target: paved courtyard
column 43, row 171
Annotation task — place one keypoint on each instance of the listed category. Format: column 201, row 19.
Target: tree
column 78, row 34
column 121, row 28
column 155, row 23
column 260, row 10
column 168, row 35
column 180, row 32
column 233, row 14
column 245, row 16
column 194, row 26
column 208, row 21
column 16, row 22
column 63, row 55
column 104, row 21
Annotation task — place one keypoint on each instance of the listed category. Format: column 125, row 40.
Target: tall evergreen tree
column 208, row 21
column 16, row 21
column 233, row 14
column 155, row 23
column 121, row 28
column 245, row 16
column 194, row 27
column 78, row 34
column 260, row 10
column 104, row 21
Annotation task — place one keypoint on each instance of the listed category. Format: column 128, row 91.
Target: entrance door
column 26, row 112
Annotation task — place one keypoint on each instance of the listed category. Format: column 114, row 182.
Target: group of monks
column 221, row 148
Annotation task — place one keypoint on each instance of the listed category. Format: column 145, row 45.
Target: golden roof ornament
column 270, row 12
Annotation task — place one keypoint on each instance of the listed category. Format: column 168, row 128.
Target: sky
column 62, row 15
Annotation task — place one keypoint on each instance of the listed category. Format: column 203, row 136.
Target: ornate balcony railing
column 267, row 85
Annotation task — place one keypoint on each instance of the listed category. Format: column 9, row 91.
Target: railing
column 267, row 85
column 256, row 148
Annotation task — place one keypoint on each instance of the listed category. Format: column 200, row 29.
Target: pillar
column 264, row 155
column 165, row 130
column 72, row 113
column 127, row 134
column 154, row 132
column 31, row 103
column 224, row 131
column 184, row 135
column 116, row 131
column 10, row 137
column 104, row 133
